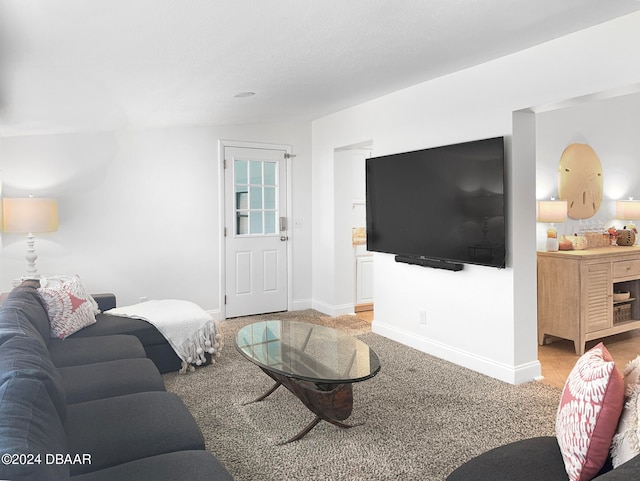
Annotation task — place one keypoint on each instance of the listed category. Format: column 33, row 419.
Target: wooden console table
column 575, row 293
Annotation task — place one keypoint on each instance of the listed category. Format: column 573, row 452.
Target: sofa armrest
column 105, row 301
column 628, row 470
column 531, row 459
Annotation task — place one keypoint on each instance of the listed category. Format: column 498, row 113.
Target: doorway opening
column 350, row 227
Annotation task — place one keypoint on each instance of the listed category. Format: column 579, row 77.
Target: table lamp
column 552, row 211
column 30, row 216
column 628, row 210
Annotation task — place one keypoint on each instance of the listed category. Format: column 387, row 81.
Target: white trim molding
column 512, row 374
column 333, row 311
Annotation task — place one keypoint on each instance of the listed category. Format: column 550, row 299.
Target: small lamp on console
column 30, row 216
column 628, row 210
column 552, row 211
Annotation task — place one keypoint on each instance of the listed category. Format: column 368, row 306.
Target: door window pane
column 269, row 197
column 242, row 222
column 256, row 197
column 256, row 222
column 255, row 172
column 270, row 173
column 256, row 192
column 242, row 197
column 241, row 171
column 270, row 222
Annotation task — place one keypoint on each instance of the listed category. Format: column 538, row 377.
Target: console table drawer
column 626, row 268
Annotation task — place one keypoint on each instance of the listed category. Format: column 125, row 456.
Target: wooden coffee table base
column 329, row 402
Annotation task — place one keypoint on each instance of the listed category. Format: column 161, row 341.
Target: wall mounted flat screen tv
column 444, row 203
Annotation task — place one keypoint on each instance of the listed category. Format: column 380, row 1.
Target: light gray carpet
column 423, row 416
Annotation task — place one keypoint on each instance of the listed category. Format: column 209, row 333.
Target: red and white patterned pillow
column 68, row 304
column 590, row 407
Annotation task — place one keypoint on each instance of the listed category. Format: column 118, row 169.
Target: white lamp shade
column 29, row 215
column 628, row 209
column 552, row 211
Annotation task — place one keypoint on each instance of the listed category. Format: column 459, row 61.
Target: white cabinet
column 364, row 280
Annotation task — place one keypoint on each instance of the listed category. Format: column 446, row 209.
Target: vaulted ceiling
column 74, row 65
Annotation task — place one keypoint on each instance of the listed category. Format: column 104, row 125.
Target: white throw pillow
column 631, row 376
column 626, row 442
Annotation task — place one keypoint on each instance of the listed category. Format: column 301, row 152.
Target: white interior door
column 255, row 231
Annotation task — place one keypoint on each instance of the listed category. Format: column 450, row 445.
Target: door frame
column 222, row 144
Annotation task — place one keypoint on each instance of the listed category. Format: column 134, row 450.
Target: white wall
column 472, row 315
column 139, row 209
column 610, row 126
column 343, row 250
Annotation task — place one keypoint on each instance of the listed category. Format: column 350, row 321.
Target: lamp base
column 552, row 244
column 31, row 256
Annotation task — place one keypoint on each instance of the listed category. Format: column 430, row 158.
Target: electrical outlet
column 422, row 318
column 143, row 299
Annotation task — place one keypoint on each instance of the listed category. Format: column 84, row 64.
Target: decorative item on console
column 628, row 210
column 565, row 244
column 580, row 181
column 580, row 185
column 578, row 242
column 626, row 237
column 590, row 235
column 619, row 296
column 597, row 237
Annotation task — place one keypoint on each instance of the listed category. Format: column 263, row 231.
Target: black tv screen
column 443, row 203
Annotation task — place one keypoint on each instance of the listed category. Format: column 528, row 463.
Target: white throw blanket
column 188, row 328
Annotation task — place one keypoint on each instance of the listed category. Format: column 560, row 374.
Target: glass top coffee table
column 318, row 364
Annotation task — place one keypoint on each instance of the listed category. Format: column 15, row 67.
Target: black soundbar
column 435, row 263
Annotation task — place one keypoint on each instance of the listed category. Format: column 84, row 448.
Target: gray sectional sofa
column 88, row 408
column 535, row 459
column 155, row 345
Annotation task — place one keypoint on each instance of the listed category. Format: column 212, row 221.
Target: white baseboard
column 333, row 311
column 297, row 305
column 511, row 374
column 301, row 304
